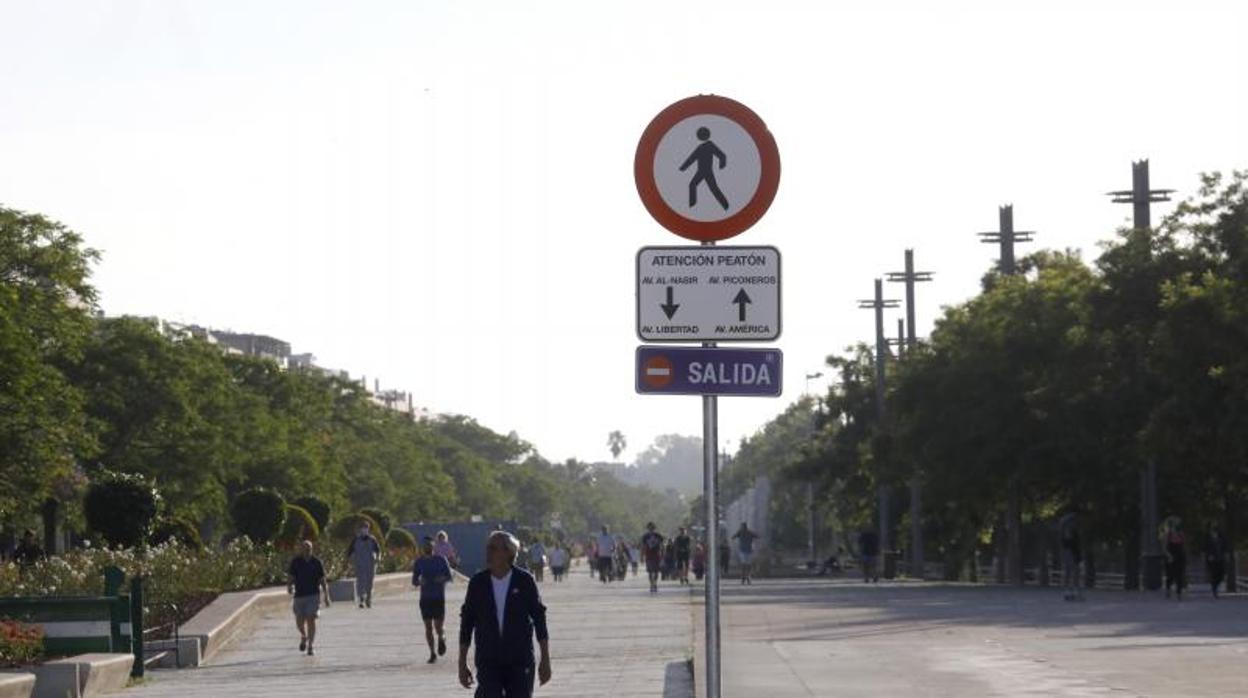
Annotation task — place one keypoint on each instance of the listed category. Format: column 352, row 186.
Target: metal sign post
column 707, row 169
column 710, row 472
column 710, row 458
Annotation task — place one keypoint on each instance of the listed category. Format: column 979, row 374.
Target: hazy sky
column 440, row 194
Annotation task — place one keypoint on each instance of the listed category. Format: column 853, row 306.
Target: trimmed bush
column 382, row 518
column 400, row 540
column 299, row 526
column 178, row 529
column 344, row 529
column 121, row 508
column 317, row 507
column 258, row 514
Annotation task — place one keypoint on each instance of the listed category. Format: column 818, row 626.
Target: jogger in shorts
column 307, row 584
column 431, row 573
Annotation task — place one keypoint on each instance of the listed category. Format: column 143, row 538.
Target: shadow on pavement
column 880, row 609
column 678, row 680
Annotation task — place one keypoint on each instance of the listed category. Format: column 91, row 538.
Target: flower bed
column 21, row 644
column 175, row 575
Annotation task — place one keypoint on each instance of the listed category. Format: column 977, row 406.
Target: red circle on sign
column 707, row 231
column 657, row 372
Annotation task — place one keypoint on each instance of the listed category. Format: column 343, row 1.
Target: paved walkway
column 825, row 638
column 616, row 641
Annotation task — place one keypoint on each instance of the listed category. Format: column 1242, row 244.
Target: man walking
column 558, row 561
column 606, row 554
column 684, row 548
column 306, row 583
column 363, row 553
column 652, row 551
column 745, row 552
column 869, row 549
column 503, row 611
column 1072, row 555
column 431, row 572
column 537, row 560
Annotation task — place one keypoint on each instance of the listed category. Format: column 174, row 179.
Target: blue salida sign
column 709, row 371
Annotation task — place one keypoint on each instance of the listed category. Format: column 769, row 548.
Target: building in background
column 279, row 350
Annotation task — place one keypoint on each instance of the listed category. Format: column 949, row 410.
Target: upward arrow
column 669, row 308
column 742, row 299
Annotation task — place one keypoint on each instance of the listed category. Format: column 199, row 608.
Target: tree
column 316, row 507
column 616, row 443
column 121, row 507
column 345, row 528
column 258, row 514
column 382, row 517
column 297, row 527
column 178, row 529
column 46, row 303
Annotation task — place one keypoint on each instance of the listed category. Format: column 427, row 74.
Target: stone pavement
column 840, row 638
column 605, row 641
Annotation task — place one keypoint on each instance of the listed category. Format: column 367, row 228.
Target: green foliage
column 317, row 507
column 296, row 528
column 1060, row 382
column 175, row 574
column 177, row 529
column 82, row 395
column 400, row 540
column 258, row 514
column 383, row 519
column 343, row 529
column 46, row 306
column 121, row 508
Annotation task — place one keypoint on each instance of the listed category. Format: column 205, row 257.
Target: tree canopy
column 1064, row 379
column 83, row 396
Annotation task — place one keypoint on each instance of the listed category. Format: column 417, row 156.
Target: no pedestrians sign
column 707, row 168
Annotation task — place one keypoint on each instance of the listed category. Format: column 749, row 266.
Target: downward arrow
column 669, row 308
column 742, row 299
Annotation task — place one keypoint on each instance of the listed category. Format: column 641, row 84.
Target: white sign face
column 708, row 294
column 707, row 178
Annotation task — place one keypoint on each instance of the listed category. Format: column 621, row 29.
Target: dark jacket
column 524, row 616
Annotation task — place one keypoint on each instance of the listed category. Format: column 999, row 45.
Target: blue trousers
column 504, row 681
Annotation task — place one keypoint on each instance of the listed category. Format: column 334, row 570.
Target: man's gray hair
column 508, row 540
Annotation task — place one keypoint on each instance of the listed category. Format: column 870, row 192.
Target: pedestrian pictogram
column 707, row 168
column 657, row 372
column 704, row 156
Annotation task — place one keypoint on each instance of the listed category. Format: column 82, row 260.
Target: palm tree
column 617, row 443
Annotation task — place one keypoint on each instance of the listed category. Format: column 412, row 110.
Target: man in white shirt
column 503, row 611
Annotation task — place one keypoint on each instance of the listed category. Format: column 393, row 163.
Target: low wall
column 234, row 613
column 17, row 685
column 83, row 676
